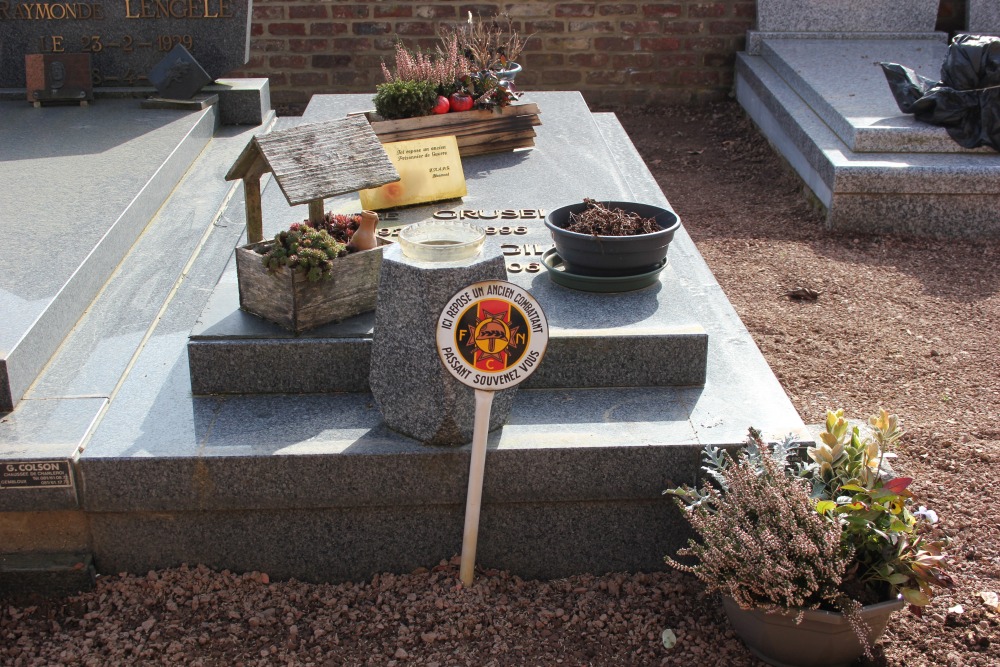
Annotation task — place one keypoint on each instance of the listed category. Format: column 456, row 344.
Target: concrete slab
column 94, row 177
column 946, row 195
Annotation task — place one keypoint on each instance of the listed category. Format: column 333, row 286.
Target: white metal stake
column 474, row 496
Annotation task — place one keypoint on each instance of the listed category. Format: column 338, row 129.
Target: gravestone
column 856, row 16
column 179, row 75
column 125, row 38
column 810, row 81
column 983, row 17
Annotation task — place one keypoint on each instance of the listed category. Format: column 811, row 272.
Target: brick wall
column 635, row 52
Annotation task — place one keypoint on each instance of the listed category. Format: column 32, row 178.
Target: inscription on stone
column 35, row 475
column 125, row 38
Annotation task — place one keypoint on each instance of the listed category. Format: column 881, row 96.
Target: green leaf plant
column 833, row 529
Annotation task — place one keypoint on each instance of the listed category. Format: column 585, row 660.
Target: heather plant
column 305, row 248
column 835, row 530
column 762, row 542
column 444, row 69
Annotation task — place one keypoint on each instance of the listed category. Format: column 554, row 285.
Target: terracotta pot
column 592, row 255
column 822, row 639
column 364, row 237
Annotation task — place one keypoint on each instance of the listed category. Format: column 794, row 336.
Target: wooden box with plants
column 466, row 89
column 812, row 557
column 323, row 269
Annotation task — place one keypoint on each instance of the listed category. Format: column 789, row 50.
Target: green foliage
column 405, row 99
column 889, row 542
column 306, row 249
column 893, row 550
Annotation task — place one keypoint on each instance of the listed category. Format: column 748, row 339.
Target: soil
column 600, row 220
column 853, row 321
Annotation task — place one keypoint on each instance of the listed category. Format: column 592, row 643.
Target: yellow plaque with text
column 429, row 170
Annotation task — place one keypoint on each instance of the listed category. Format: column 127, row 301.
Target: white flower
column 924, row 513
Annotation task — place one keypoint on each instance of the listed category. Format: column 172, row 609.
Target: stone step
column 59, row 411
column 945, row 195
column 96, row 176
column 843, row 84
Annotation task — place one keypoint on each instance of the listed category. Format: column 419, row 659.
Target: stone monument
column 125, row 38
column 983, row 17
column 810, row 81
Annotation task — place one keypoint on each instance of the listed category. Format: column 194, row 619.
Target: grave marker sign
column 125, row 38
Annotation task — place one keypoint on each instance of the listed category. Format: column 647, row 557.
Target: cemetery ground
column 910, row 325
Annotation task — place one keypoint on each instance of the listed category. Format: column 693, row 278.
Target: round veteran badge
column 492, row 335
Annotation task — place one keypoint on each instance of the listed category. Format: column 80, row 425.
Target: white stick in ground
column 474, row 496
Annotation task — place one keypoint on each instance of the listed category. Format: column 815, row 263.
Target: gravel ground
column 906, row 324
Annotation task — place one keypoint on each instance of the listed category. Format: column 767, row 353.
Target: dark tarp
column 967, row 99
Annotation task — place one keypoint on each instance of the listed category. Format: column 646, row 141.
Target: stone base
column 30, row 578
column 917, row 189
column 417, row 396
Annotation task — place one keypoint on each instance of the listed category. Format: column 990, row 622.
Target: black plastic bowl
column 592, row 255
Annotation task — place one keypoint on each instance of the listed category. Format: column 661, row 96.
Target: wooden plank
column 286, row 298
column 486, row 149
column 321, row 160
column 491, row 131
column 488, row 125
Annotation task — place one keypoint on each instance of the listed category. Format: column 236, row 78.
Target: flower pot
column 822, row 639
column 593, row 255
column 478, row 132
column 286, row 298
column 509, row 74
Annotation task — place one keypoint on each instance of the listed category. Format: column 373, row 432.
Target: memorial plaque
column 429, row 170
column 179, row 76
column 35, row 475
column 58, row 78
column 125, row 38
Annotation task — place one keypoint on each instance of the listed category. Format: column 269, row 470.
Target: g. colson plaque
column 125, row 38
column 35, row 475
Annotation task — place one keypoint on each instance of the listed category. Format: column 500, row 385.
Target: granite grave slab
column 641, row 338
column 95, row 175
column 589, row 464
column 315, row 486
column 983, row 17
column 857, row 16
column 947, row 195
column 125, row 38
column 842, row 83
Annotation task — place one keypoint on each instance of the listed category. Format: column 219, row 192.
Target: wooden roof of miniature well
column 319, row 160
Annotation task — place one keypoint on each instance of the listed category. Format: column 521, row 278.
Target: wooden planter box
column 286, row 298
column 478, row 132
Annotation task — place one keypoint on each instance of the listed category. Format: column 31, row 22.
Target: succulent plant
column 304, row 248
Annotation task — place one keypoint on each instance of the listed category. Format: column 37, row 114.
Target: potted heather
column 464, row 88
column 812, row 558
